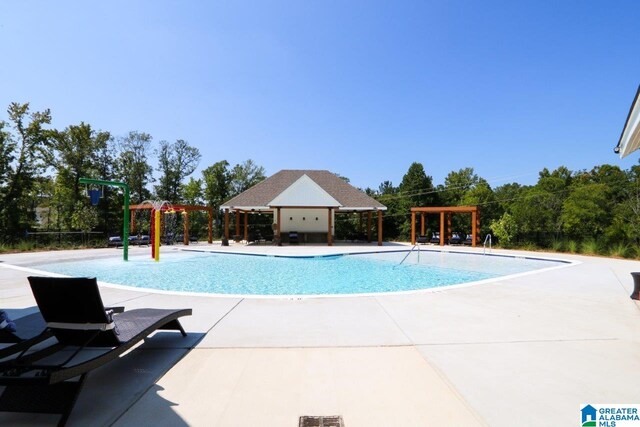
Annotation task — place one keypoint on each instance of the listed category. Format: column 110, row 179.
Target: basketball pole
column 125, row 226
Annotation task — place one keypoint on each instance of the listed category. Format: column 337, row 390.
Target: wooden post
column 413, row 228
column 369, row 227
column 379, row 228
column 210, row 222
column 185, row 235
column 360, row 223
column 329, row 234
column 246, row 227
column 448, row 225
column 442, row 228
column 236, row 232
column 422, row 224
column 132, row 222
column 477, row 238
column 226, row 224
column 277, row 236
column 473, row 228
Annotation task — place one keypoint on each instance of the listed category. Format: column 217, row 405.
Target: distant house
column 304, row 202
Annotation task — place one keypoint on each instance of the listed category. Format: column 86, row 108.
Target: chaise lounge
column 75, row 315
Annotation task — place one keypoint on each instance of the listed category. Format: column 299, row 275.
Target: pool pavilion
column 304, row 203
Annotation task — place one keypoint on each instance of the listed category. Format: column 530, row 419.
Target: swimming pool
column 234, row 274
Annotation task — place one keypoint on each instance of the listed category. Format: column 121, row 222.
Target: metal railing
column 409, row 253
column 484, row 245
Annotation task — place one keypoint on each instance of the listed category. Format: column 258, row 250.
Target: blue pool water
column 262, row 275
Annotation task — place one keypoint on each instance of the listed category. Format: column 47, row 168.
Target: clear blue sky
column 362, row 88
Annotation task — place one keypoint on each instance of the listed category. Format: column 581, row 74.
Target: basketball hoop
column 95, row 196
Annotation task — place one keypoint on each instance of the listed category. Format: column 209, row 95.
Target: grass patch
column 573, row 247
column 558, row 245
column 590, row 247
column 622, row 250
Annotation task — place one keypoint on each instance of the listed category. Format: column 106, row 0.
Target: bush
column 529, row 246
column 590, row 247
column 573, row 247
column 505, row 229
column 558, row 245
column 621, row 250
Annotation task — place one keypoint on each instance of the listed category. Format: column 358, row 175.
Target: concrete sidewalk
column 521, row 351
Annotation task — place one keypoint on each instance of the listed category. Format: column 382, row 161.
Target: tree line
column 40, row 169
column 592, row 211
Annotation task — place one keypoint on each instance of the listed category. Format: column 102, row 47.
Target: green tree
column 586, row 211
column 217, row 186
column 84, row 218
column 132, row 164
column 176, row 161
column 505, row 229
column 78, row 149
column 192, row 192
column 26, row 153
column 416, row 189
column 244, row 176
column 482, row 195
column 392, row 220
column 456, row 185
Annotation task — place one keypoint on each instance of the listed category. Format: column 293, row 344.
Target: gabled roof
column 304, row 193
column 262, row 194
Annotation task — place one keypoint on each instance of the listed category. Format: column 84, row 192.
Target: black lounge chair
column 455, row 239
column 468, row 240
column 422, row 239
column 435, row 238
column 75, row 315
column 115, row 241
column 293, row 238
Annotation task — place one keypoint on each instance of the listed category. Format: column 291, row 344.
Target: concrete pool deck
column 525, row 351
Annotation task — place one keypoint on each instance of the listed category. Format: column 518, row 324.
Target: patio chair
column 72, row 309
column 422, row 239
column 114, row 241
column 293, row 238
column 435, row 238
column 455, row 239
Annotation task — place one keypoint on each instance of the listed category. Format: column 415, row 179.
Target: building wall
column 304, row 220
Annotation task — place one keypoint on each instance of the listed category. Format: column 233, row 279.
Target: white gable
column 304, row 193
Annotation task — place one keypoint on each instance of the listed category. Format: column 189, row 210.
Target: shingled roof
column 260, row 195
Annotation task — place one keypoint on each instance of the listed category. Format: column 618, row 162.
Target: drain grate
column 325, row 421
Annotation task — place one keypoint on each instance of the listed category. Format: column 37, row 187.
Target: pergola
column 185, row 209
column 445, row 215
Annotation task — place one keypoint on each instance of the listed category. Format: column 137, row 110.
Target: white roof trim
column 630, row 138
column 246, row 208
column 304, row 192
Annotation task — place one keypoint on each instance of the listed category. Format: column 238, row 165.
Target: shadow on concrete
column 154, row 410
column 111, row 390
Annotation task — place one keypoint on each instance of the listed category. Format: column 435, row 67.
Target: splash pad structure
column 161, row 209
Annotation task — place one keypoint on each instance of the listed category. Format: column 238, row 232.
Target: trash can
column 225, row 241
column 636, row 285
